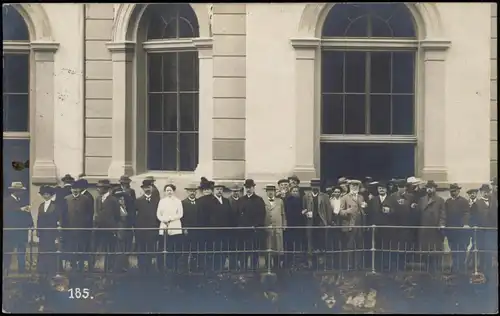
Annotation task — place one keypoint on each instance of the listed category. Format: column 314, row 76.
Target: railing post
column 164, row 250
column 475, row 252
column 373, row 249
column 58, row 251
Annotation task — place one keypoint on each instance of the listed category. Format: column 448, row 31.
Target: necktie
column 192, row 202
column 271, row 200
column 148, row 199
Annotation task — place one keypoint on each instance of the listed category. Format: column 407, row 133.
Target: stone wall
column 98, row 88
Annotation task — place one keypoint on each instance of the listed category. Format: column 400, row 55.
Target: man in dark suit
column 61, row 193
column 190, row 220
column 48, row 217
column 155, row 193
column 253, row 214
column 79, row 212
column 318, row 212
column 145, row 239
column 234, row 234
column 16, row 215
column 220, row 217
column 107, row 215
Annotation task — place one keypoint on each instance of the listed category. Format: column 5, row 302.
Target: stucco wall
column 494, row 93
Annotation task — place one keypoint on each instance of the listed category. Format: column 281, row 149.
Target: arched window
column 172, row 87
column 15, row 94
column 368, row 80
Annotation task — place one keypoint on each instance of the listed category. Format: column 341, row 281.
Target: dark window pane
column 188, row 144
column 16, row 73
column 355, row 72
column 155, row 72
column 154, row 151
column 403, row 72
column 402, row 23
column 4, row 110
column 189, row 111
column 14, row 27
column 15, row 150
column 381, row 11
column 403, row 115
column 171, row 21
column 380, row 114
column 332, row 71
column 380, row 161
column 188, row 71
column 170, row 112
column 380, row 72
column 380, row 28
column 16, row 107
column 169, row 159
column 357, row 28
column 337, row 21
column 355, row 114
column 170, row 72
column 333, row 114
column 155, row 112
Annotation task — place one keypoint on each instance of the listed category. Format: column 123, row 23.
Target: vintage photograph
column 250, row 157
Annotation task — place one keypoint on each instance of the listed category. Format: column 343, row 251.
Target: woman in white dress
column 169, row 214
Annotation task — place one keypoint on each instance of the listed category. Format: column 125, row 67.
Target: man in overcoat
column 79, row 215
column 275, row 222
column 352, row 212
column 61, row 193
column 107, row 216
column 16, row 215
column 253, row 213
column 47, row 217
column 156, row 192
column 318, row 212
column 147, row 224
column 220, row 217
column 432, row 213
column 234, row 235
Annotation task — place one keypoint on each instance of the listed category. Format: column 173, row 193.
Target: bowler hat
column 431, row 184
column 119, row 193
column 315, row 183
column 249, row 183
column 67, row 178
column 17, row 186
column 382, row 183
column 150, row 178
column 294, row 178
column 45, row 189
column 84, row 183
column 103, row 183
column 235, row 187
column 368, row 179
column 146, row 183
column 270, row 187
column 125, row 179
column 454, row 187
column 485, row 188
column 470, row 191
column 218, row 185
column 78, row 184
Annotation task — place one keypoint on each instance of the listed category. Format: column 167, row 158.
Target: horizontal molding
column 120, row 46
column 370, row 43
column 369, row 139
column 11, row 46
column 188, row 44
column 16, row 135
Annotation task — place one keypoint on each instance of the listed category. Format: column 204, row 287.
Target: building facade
column 235, row 91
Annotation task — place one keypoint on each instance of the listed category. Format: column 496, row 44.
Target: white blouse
column 169, row 213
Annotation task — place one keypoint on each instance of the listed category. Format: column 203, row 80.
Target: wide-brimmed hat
column 235, row 187
column 103, row 183
column 270, row 187
column 454, row 187
column 280, row 181
column 67, row 178
column 367, row 179
column 79, row 184
column 470, row 191
column 17, row 186
column 150, row 178
column 414, row 180
column 146, row 183
column 354, row 182
column 431, row 184
column 315, row 183
column 294, row 178
column 249, row 183
column 485, row 188
column 46, row 189
column 191, row 187
column 125, row 179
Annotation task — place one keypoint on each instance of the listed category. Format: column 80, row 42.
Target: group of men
column 241, row 227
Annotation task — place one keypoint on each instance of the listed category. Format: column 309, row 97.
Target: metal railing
column 373, row 249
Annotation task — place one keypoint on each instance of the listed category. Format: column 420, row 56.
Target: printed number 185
column 79, row 293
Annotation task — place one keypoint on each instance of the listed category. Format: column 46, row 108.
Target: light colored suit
column 351, row 212
column 275, row 216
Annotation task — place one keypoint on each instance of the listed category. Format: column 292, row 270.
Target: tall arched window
column 172, row 87
column 15, row 94
column 368, row 79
